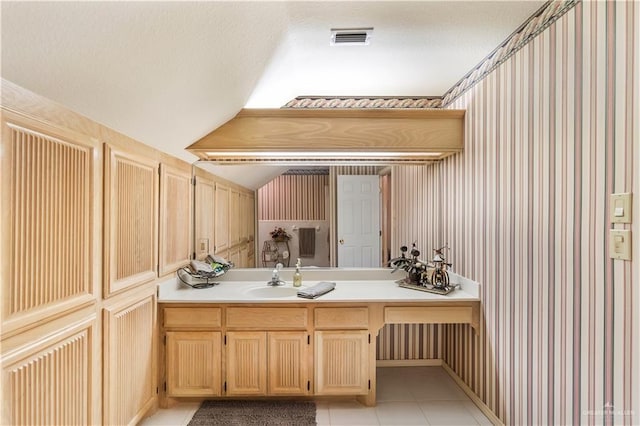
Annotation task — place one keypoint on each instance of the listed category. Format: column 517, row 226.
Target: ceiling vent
column 351, row 36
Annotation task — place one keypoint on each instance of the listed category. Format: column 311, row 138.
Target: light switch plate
column 620, row 244
column 620, row 208
column 203, row 245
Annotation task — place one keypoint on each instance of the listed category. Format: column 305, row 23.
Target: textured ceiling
column 168, row 73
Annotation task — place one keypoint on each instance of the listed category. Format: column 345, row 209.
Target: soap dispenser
column 297, row 276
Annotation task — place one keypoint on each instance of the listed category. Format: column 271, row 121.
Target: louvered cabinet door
column 288, row 363
column 131, row 220
column 235, row 218
column 246, row 363
column 51, row 382
column 52, row 220
column 221, row 218
column 251, row 205
column 175, row 218
column 129, row 360
column 342, row 362
column 194, row 363
column 205, row 201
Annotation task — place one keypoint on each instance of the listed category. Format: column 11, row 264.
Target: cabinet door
column 130, row 220
column 222, row 218
column 252, row 218
column 129, row 359
column 51, row 186
column 234, row 218
column 175, row 218
column 234, row 257
column 204, row 232
column 246, row 363
column 342, row 362
column 194, row 363
column 244, row 256
column 288, row 363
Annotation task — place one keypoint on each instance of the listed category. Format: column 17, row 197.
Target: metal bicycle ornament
column 431, row 276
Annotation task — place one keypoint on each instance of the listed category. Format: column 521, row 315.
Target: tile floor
column 406, row 396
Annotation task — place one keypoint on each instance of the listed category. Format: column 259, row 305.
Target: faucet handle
column 279, row 266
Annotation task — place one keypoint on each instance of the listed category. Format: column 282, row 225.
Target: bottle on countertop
column 297, row 276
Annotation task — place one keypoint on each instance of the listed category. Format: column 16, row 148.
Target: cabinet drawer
column 266, row 318
column 341, row 318
column 192, row 317
column 428, row 315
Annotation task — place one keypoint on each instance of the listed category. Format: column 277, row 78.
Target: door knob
column 341, row 241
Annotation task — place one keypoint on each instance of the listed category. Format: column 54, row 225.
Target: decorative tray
column 429, row 289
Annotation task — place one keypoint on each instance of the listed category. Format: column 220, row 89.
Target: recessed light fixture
column 351, row 36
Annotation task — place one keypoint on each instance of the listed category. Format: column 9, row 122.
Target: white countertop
column 241, row 286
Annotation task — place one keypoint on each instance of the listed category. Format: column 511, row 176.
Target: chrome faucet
column 275, row 275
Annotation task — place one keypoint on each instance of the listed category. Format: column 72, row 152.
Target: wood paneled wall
column 293, row 197
column 55, row 321
column 550, row 134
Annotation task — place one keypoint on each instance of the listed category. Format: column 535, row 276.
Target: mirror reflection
column 258, row 216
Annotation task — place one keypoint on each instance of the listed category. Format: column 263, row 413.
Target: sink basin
column 272, row 292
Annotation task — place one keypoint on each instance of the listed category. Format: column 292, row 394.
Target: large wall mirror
column 328, row 216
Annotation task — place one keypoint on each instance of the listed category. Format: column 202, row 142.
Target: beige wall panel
column 51, row 186
column 51, row 384
column 175, row 218
column 129, row 361
column 131, row 220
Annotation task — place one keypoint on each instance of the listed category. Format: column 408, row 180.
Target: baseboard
column 471, row 394
column 409, row 363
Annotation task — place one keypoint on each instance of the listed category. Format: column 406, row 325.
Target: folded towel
column 316, row 290
column 307, row 242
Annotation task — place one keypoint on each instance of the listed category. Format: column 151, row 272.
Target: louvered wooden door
column 51, row 224
column 131, row 220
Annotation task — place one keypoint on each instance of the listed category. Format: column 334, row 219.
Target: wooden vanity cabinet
column 193, row 351
column 257, row 352
column 267, row 351
column 342, row 351
column 267, row 363
column 194, row 363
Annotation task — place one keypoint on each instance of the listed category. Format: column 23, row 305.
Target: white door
column 358, row 221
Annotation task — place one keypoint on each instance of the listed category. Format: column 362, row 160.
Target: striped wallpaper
column 550, row 134
column 293, row 197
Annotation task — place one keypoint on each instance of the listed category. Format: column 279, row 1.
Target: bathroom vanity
column 243, row 338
